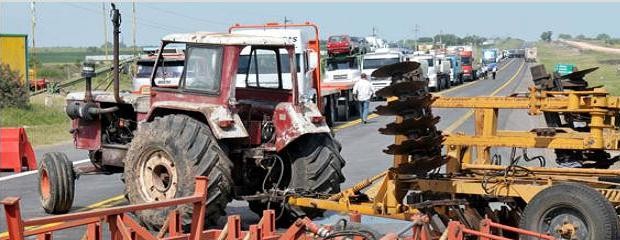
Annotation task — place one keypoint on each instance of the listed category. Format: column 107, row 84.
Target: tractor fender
column 216, row 116
column 293, row 121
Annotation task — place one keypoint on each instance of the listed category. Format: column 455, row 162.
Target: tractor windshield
column 203, row 69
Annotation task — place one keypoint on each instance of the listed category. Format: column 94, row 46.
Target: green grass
column 509, row 43
column 71, row 55
column 608, row 73
column 44, row 124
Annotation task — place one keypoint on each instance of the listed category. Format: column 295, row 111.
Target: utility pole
column 133, row 25
column 105, row 30
column 416, row 29
column 34, row 49
column 374, row 31
column 440, row 37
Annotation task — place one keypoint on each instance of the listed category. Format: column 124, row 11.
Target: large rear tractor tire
column 571, row 211
column 162, row 162
column 56, row 183
column 315, row 167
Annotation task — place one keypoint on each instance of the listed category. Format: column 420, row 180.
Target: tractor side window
column 265, row 68
column 262, row 68
column 203, row 69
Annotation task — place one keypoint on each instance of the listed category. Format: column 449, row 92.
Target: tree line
column 604, row 37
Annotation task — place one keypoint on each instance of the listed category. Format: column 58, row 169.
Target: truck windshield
column 170, row 69
column 379, row 62
column 267, row 63
column 465, row 60
column 338, row 65
column 430, row 62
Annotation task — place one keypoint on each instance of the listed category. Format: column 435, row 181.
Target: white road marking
column 35, row 171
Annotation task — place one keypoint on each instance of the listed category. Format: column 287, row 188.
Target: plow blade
column 411, row 101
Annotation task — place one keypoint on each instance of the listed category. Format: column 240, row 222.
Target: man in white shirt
column 362, row 92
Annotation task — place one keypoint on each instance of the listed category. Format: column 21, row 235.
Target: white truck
column 167, row 76
column 342, row 69
column 266, row 60
column 436, row 79
column 377, row 59
column 336, row 95
column 531, row 54
column 375, row 43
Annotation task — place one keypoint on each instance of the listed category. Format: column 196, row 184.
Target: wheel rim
column 44, row 183
column 158, row 176
column 565, row 222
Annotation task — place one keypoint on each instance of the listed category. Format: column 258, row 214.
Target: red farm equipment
column 250, row 133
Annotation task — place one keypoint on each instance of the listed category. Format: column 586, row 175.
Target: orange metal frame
column 458, row 231
column 122, row 226
column 312, row 44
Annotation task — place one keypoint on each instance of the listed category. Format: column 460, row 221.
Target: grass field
column 48, row 124
column 608, row 73
column 72, row 55
column 44, row 124
column 509, row 43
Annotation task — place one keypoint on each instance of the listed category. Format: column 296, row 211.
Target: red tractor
column 254, row 138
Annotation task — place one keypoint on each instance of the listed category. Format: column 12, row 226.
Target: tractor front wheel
column 162, row 162
column 56, row 183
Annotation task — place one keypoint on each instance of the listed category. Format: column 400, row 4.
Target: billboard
column 14, row 52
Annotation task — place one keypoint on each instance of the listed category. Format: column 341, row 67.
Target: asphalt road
column 362, row 145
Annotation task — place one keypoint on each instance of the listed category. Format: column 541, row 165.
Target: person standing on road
column 494, row 70
column 362, row 92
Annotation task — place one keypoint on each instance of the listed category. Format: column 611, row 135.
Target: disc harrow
column 409, row 100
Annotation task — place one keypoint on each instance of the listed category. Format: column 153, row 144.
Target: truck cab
column 489, row 56
column 166, row 76
column 455, row 69
column 373, row 61
column 467, row 63
column 299, row 40
column 435, row 83
column 342, row 69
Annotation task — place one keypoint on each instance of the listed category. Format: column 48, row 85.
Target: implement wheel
column 162, row 162
column 314, row 164
column 56, row 183
column 571, row 211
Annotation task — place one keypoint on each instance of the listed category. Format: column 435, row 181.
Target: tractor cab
column 242, row 84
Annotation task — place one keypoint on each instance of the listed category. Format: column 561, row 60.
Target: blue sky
column 81, row 24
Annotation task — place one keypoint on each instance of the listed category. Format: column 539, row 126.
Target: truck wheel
column 571, row 211
column 56, row 183
column 330, row 111
column 315, row 166
column 162, row 162
column 343, row 111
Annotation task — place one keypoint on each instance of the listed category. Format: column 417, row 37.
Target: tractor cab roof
column 227, row 39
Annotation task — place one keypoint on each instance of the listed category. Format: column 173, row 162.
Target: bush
column 12, row 92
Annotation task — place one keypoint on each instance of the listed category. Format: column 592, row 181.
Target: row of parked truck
column 346, row 58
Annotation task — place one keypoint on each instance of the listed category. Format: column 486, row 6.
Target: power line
column 186, row 16
column 139, row 21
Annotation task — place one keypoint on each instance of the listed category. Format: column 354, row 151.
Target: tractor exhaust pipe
column 116, row 22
